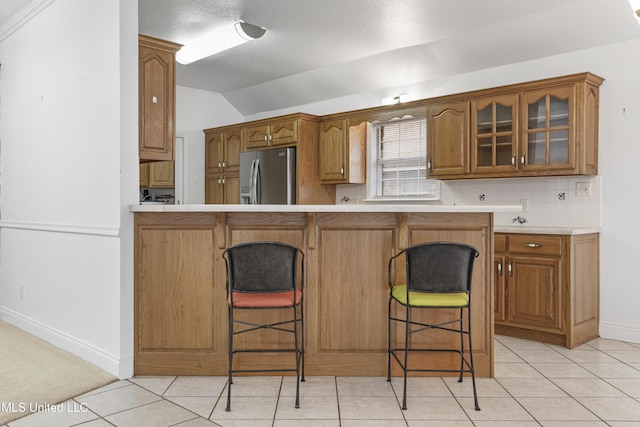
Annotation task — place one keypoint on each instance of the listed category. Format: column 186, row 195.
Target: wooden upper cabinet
column 274, row 134
column 144, row 174
column 157, row 174
column 162, row 174
column 542, row 128
column 448, row 140
column 222, row 150
column 157, row 74
column 342, row 152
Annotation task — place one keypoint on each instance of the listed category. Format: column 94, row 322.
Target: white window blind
column 401, row 152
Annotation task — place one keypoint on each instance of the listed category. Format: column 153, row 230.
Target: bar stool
column 438, row 277
column 264, row 275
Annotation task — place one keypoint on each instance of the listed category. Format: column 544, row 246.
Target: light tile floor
column 535, row 384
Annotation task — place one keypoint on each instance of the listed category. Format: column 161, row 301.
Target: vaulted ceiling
column 317, row 50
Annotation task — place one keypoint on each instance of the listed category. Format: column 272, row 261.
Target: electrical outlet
column 525, row 205
column 583, row 189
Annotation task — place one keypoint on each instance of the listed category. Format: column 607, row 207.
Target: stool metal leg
column 228, row 408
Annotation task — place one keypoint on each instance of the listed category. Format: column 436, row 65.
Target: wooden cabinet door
column 231, row 189
column 448, row 141
column 162, row 175
column 214, row 152
column 284, row 133
column 333, row 150
column 500, row 288
column 232, row 148
column 494, row 134
column 144, row 174
column 534, row 293
column 257, row 137
column 548, row 126
column 156, row 74
column 213, row 189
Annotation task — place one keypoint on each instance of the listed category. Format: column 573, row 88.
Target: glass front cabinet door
column 549, row 130
column 494, row 134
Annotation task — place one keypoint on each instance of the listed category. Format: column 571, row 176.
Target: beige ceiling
column 315, row 50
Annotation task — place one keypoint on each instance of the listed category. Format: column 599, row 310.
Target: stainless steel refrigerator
column 268, row 177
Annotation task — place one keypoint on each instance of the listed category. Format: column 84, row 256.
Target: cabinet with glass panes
column 548, row 127
column 494, row 136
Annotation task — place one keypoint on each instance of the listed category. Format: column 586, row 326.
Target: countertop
column 328, row 208
column 529, row 229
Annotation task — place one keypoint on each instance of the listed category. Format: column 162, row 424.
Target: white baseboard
column 619, row 332
column 121, row 368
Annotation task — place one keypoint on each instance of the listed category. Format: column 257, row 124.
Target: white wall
column 619, row 152
column 68, row 122
column 197, row 110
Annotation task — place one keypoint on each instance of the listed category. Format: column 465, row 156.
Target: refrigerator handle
column 252, row 187
column 256, row 184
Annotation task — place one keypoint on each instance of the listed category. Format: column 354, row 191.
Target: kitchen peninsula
column 180, row 304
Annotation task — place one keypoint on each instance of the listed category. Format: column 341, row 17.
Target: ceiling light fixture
column 217, row 41
column 403, row 97
column 635, row 6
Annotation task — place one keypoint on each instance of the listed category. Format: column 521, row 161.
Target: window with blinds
column 400, row 163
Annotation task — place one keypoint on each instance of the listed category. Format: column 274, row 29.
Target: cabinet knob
column 154, row 99
column 510, row 269
column 342, row 171
column 224, row 164
column 500, row 268
column 522, row 159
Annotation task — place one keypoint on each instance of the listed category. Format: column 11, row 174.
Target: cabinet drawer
column 535, row 244
column 499, row 243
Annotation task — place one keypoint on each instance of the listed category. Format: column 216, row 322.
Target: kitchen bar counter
column 368, row 207
column 180, row 304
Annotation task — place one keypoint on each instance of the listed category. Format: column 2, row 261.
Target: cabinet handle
column 522, row 159
column 270, row 137
column 266, row 138
column 510, row 269
column 513, row 160
column 224, row 164
column 500, row 268
column 219, row 181
column 533, row 245
column 224, row 179
column 342, row 171
column 429, row 165
column 219, row 165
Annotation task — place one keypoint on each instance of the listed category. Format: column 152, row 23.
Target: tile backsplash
column 551, row 201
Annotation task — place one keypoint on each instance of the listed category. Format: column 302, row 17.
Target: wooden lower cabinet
column 547, row 287
column 180, row 305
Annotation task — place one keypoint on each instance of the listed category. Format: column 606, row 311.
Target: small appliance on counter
column 268, row 177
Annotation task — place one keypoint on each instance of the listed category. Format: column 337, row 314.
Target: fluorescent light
column 217, row 41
